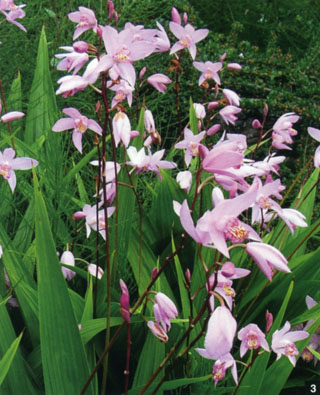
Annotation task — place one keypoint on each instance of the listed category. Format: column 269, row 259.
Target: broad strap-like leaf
column 65, row 366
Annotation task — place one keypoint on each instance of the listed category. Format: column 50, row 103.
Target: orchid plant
column 173, row 293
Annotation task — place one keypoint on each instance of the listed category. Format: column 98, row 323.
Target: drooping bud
column 68, row 259
column 94, row 269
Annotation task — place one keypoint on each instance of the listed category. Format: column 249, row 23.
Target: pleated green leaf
column 7, row 359
column 42, row 108
column 151, row 356
column 65, row 366
column 16, row 380
column 23, row 284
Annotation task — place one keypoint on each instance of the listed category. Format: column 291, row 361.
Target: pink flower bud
column 228, row 269
column 80, row 46
column 134, row 134
column 78, row 215
column 159, row 81
column 212, row 105
column 266, row 109
column 269, row 321
column 68, row 259
column 93, row 270
column 199, row 110
column 256, row 124
column 154, row 272
column 158, row 331
column 175, row 16
column 142, row 72
column 111, row 8
column 124, row 302
column 185, row 18
column 234, row 66
column 214, row 129
column 188, row 275
column 12, row 116
column 223, row 56
column 116, row 16
column 99, row 31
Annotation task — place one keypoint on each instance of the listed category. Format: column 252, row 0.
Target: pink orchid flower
column 79, row 123
column 72, row 60
column 221, row 365
column 90, row 214
column 220, row 334
column 251, row 338
column 217, row 226
column 93, row 269
column 125, row 47
column 159, row 81
column 85, row 19
column 231, row 96
column 282, row 130
column 164, row 309
column 158, row 331
column 8, row 163
column 190, row 143
column 188, row 37
column 228, row 114
column 267, row 258
column 283, row 342
column 123, row 91
column 184, row 179
column 209, row 71
column 15, row 12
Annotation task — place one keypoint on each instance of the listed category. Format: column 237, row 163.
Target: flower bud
column 212, row 105
column 12, row 116
column 188, row 275
column 142, row 72
column 214, row 129
column 269, row 321
column 175, row 16
column 80, row 46
column 223, row 56
column 234, row 66
column 256, row 124
column 154, row 273
column 185, row 18
column 228, row 269
column 68, row 259
column 124, row 302
column 199, row 110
